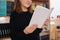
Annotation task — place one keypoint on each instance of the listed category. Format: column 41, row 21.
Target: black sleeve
column 12, row 20
column 12, row 24
column 38, row 30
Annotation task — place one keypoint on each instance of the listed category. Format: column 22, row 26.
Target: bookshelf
column 44, row 3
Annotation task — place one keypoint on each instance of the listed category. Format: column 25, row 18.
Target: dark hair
column 17, row 6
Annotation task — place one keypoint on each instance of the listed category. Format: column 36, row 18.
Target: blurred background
column 49, row 33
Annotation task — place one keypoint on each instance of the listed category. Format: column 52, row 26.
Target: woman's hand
column 30, row 29
column 45, row 24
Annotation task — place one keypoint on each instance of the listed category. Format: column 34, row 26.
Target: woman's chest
column 23, row 19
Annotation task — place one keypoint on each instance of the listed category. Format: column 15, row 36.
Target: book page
column 40, row 15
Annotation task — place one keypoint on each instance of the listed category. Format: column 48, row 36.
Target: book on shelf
column 41, row 4
column 3, row 7
column 9, row 7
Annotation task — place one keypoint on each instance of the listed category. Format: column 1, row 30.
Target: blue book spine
column 3, row 8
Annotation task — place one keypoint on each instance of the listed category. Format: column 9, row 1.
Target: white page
column 40, row 15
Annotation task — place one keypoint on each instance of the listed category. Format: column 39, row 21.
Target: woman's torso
column 18, row 23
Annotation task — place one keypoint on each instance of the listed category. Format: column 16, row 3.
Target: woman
column 19, row 22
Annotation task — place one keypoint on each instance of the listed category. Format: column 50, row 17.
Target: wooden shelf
column 57, row 31
column 46, row 31
column 41, row 0
column 6, row 38
column 44, row 2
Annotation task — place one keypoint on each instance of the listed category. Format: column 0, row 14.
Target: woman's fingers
column 45, row 24
column 30, row 29
column 25, row 31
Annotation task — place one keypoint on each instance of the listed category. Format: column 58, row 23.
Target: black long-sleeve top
column 18, row 22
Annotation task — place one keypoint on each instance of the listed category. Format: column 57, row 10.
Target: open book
column 40, row 15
